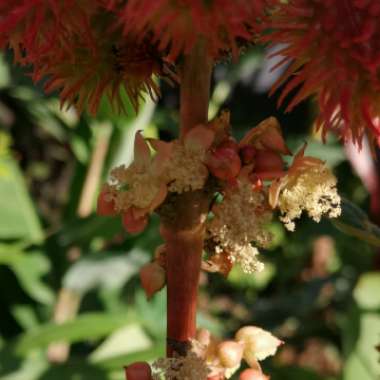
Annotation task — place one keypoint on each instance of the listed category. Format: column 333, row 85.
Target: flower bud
column 138, row 371
column 229, row 143
column 230, row 353
column 105, row 205
column 252, row 374
column 268, row 161
column 224, row 163
column 134, row 225
column 258, row 343
column 203, row 336
column 247, row 154
column 153, row 278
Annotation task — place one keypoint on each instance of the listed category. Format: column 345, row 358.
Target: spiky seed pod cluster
column 89, row 49
column 332, row 51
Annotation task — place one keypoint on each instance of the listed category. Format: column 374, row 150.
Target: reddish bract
column 224, row 163
column 268, row 161
column 153, row 278
column 105, row 205
column 132, row 224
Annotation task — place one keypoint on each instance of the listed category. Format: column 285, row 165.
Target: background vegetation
column 71, row 306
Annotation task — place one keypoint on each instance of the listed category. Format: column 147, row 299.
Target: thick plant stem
column 195, row 88
column 183, row 230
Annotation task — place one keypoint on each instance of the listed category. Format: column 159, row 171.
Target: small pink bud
column 105, row 205
column 134, row 225
column 153, row 278
column 247, row 154
column 252, row 374
column 224, row 163
column 268, row 161
column 138, row 371
column 230, row 353
column 203, row 336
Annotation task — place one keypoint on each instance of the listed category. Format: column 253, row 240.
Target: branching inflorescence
column 247, row 188
column 87, row 50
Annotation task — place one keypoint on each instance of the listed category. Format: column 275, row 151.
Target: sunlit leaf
column 105, row 270
column 18, row 217
column 367, row 293
column 88, row 326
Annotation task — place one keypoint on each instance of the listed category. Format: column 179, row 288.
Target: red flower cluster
column 333, row 48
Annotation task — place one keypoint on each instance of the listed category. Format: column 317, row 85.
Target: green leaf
column 88, row 326
column 117, row 362
column 355, row 222
column 29, row 268
column 360, row 340
column 367, row 293
column 126, row 340
column 106, row 270
column 18, row 218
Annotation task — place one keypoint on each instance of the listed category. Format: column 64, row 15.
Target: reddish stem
column 183, row 231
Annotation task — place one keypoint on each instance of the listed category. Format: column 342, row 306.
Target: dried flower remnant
column 189, row 367
column 177, row 24
column 333, row 48
column 309, row 185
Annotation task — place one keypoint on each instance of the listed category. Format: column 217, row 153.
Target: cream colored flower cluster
column 313, row 191
column 185, row 169
column 134, row 188
column 240, row 219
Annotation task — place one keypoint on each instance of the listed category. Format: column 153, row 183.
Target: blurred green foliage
column 319, row 291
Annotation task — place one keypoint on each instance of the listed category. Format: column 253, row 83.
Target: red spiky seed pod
column 78, row 47
column 176, row 25
column 333, row 51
